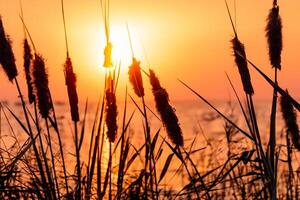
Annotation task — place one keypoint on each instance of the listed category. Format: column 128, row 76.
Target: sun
column 121, row 45
column 121, row 48
column 122, row 51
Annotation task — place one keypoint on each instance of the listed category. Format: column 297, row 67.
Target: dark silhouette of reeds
column 70, row 78
column 241, row 62
column 290, row 118
column 111, row 114
column 135, row 78
column 40, row 80
column 245, row 174
column 166, row 111
column 27, row 63
column 7, row 58
column 274, row 36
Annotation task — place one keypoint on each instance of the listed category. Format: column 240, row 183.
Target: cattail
column 107, row 56
column 7, row 58
column 135, row 77
column 274, row 36
column 111, row 114
column 27, row 64
column 290, row 117
column 241, row 62
column 166, row 111
column 70, row 77
column 40, row 81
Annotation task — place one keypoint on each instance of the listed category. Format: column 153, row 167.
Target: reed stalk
column 274, row 37
column 70, row 78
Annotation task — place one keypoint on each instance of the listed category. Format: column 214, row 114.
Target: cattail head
column 27, row 64
column 274, row 36
column 7, row 58
column 40, row 81
column 107, row 56
column 290, row 117
column 166, row 111
column 135, row 78
column 241, row 62
column 70, row 78
column 111, row 114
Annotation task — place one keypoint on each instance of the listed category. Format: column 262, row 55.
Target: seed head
column 40, row 81
column 166, row 111
column 111, row 114
column 290, row 118
column 70, row 78
column 274, row 37
column 107, row 56
column 241, row 62
column 27, row 64
column 135, row 78
column 7, row 58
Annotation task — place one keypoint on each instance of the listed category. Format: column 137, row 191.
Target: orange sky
column 178, row 39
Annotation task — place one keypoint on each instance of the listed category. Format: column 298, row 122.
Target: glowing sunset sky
column 178, row 39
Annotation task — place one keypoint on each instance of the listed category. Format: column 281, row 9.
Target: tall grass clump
column 70, row 80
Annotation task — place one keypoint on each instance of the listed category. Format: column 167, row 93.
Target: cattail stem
column 95, row 152
column 110, row 173
column 42, row 148
column 63, row 162
column 52, row 159
column 121, row 163
column 99, row 171
column 290, row 167
column 267, row 165
column 147, row 150
column 99, row 174
column 274, row 39
column 22, row 16
column 65, row 28
column 73, row 100
column 150, row 152
column 272, row 139
column 78, row 166
column 60, row 143
column 87, row 195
